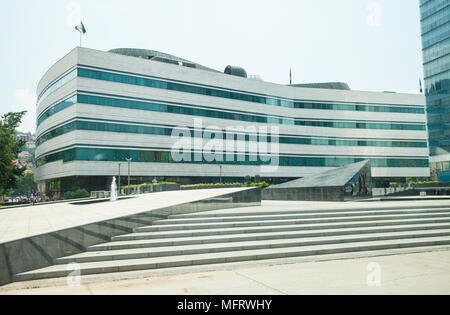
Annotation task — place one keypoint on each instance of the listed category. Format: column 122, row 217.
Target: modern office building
column 96, row 109
column 435, row 20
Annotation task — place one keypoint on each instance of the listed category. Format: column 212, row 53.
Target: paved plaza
column 415, row 273
column 278, row 247
column 18, row 223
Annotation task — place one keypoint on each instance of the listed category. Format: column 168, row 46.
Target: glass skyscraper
column 435, row 20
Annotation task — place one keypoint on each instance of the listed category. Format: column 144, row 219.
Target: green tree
column 9, row 173
column 248, row 180
column 78, row 194
column 26, row 184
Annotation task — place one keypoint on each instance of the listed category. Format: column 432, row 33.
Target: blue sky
column 373, row 45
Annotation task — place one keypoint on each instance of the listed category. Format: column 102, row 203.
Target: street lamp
column 221, row 174
column 119, row 177
column 129, row 161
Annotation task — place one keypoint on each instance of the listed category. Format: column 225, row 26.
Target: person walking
column 32, row 198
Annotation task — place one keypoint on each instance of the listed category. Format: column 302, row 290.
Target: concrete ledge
column 305, row 194
column 41, row 251
column 44, row 203
column 406, row 198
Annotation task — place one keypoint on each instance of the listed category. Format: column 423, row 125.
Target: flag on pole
column 420, row 84
column 290, row 76
column 80, row 28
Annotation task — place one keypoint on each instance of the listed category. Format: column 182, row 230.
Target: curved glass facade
column 239, row 95
column 362, row 108
column 69, row 76
column 133, row 110
column 56, row 108
column 229, row 94
column 125, row 127
column 147, row 156
column 185, row 109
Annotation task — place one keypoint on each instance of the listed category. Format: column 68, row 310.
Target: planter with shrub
column 77, row 194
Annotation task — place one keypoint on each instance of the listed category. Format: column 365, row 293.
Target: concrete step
column 56, row 271
column 198, row 226
column 257, row 217
column 268, row 229
column 217, row 239
column 259, row 212
column 242, row 246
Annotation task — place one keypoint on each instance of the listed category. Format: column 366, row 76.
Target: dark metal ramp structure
column 346, row 183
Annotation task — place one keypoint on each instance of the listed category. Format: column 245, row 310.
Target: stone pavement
column 18, row 223
column 414, row 273
column 400, row 268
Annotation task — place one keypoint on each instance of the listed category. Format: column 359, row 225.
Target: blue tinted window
column 124, row 128
column 180, row 109
column 117, row 155
column 127, row 79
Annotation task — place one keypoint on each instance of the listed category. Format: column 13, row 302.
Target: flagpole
column 80, row 28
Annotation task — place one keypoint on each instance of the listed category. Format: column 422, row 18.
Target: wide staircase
column 254, row 234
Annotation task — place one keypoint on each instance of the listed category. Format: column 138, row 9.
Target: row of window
column 362, row 108
column 117, row 155
column 439, row 125
column 127, row 79
column 240, row 116
column 436, row 136
column 437, row 66
column 438, row 101
column 306, row 140
column 438, row 117
column 444, row 142
column 438, row 19
column 434, row 151
column 436, row 36
column 57, row 84
column 438, row 112
column 436, row 51
column 56, row 108
column 437, row 87
column 431, row 7
column 257, row 118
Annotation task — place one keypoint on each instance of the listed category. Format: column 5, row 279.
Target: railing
column 144, row 189
column 378, row 192
column 100, row 194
